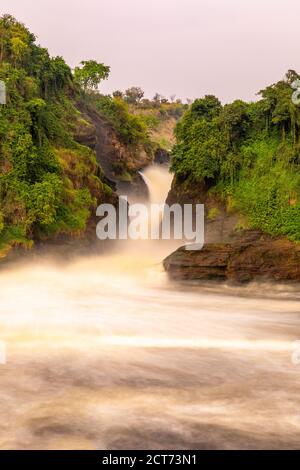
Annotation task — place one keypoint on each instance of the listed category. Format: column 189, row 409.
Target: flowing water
column 105, row 352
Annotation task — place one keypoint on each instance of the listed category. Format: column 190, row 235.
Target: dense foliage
column 131, row 129
column 90, row 74
column 48, row 182
column 249, row 153
column 136, row 120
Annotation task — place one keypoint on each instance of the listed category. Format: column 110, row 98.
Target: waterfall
column 158, row 180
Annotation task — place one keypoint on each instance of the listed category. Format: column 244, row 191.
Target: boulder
column 251, row 258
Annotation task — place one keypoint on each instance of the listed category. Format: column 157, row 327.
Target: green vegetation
column 48, row 182
column 161, row 117
column 213, row 213
column 131, row 129
column 91, row 74
column 140, row 123
column 249, row 154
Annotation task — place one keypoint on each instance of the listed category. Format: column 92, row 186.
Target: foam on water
column 107, row 353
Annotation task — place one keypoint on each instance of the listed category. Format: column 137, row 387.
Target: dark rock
column 254, row 257
column 114, row 157
column 162, row 157
column 230, row 253
column 136, row 189
column 120, row 164
column 220, row 225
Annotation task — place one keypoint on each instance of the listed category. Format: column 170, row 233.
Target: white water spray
column 106, row 353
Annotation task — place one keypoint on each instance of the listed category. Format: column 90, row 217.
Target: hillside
column 49, row 183
column 243, row 160
column 63, row 146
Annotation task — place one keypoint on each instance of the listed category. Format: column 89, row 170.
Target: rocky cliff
column 120, row 164
column 231, row 253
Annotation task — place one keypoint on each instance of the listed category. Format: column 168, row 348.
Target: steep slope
column 242, row 161
column 120, row 163
column 50, row 184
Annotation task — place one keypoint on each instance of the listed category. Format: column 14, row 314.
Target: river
column 104, row 352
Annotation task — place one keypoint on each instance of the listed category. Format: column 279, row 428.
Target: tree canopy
column 48, row 182
column 249, row 153
column 91, row 74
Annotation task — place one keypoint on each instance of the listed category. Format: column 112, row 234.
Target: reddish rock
column 241, row 261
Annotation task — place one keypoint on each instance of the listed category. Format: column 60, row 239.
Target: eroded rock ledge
column 254, row 257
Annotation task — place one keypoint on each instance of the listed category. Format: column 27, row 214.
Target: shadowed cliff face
column 120, row 164
column 229, row 253
column 219, row 224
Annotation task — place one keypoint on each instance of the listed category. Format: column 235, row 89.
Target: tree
column 207, row 107
column 134, row 95
column 157, row 99
column 118, row 94
column 18, row 48
column 90, row 75
column 15, row 40
column 235, row 121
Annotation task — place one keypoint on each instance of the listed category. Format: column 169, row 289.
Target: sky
column 187, row 48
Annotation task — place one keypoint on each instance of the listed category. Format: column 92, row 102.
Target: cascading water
column 106, row 353
column 158, row 180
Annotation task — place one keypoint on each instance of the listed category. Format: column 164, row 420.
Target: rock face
column 231, row 253
column 162, row 157
column 253, row 257
column 220, row 224
column 120, row 164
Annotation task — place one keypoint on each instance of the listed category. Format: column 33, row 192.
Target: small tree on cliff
column 134, row 95
column 118, row 94
column 91, row 74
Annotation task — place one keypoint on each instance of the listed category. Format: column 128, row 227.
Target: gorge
column 141, row 344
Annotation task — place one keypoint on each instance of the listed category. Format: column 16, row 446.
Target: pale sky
column 230, row 48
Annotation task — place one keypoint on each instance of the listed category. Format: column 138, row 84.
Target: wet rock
column 162, row 157
column 253, row 257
